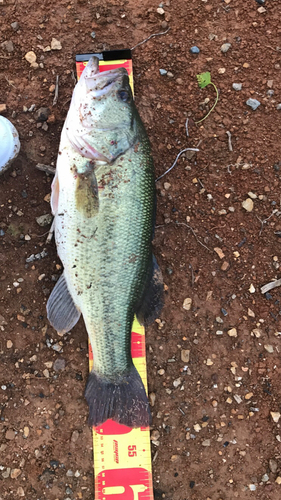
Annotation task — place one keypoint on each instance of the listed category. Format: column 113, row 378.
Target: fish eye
column 124, row 95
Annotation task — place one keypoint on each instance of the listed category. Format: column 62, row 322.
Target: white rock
column 55, row 44
column 232, row 332
column 30, row 57
column 275, row 416
column 248, row 204
column 187, row 304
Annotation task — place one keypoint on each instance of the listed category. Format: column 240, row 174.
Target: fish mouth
column 101, row 83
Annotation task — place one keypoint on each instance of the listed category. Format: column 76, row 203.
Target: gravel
column 237, row 86
column 253, row 103
column 194, row 50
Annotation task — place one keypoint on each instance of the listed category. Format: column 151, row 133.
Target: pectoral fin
column 86, row 194
column 55, row 194
column 152, row 299
column 61, row 310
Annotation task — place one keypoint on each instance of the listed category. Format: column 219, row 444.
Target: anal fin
column 152, row 299
column 61, row 310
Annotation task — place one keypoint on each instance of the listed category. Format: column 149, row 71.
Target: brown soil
column 231, row 384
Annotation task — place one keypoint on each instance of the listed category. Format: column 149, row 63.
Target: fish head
column 101, row 121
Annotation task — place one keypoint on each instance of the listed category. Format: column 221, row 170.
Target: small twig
column 175, row 162
column 186, row 127
column 270, row 286
column 263, row 222
column 151, row 36
column 46, row 168
column 229, row 141
column 56, row 96
column 10, row 83
column 51, row 232
column 192, row 275
column 194, row 234
column 155, row 456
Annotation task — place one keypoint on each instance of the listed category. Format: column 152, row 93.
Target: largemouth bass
column 103, row 200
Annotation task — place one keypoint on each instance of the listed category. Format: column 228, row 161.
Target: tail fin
column 123, row 400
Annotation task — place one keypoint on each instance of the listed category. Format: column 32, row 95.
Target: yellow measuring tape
column 122, row 455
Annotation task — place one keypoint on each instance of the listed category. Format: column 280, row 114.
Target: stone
column 55, row 44
column 278, row 107
column 221, row 71
column 160, row 11
column 219, row 252
column 59, row 364
column 15, row 25
column 187, row 304
column 8, row 46
column 207, row 442
column 225, row 47
column 185, row 354
column 275, row 415
column 272, row 465
column 10, row 434
column 194, row 50
column 261, row 10
column 74, row 436
column 163, row 72
column 269, row 348
column 248, row 204
column 20, row 492
column 44, row 220
column 25, row 432
column 232, row 332
column 42, row 114
column 237, row 86
column 15, row 473
column 253, row 103
column 30, row 57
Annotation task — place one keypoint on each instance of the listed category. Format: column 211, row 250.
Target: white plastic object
column 9, row 143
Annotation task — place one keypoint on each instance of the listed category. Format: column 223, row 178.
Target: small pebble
column 8, row 46
column 207, row 442
column 25, row 432
column 177, row 382
column 269, row 348
column 275, row 415
column 15, row 473
column 160, row 11
column 278, row 107
column 194, row 50
column 59, row 364
column 278, row 480
column 252, row 288
column 219, row 252
column 237, row 86
column 261, row 10
column 9, row 344
column 44, row 220
column 15, row 25
column 225, row 47
column 163, row 72
column 253, row 103
column 20, row 492
column 248, row 204
column 272, row 465
column 265, row 478
column 221, row 71
column 10, row 434
column 185, row 354
column 55, row 44
column 93, row 34
column 74, row 436
column 232, row 332
column 252, row 487
column 187, row 304
column 30, row 57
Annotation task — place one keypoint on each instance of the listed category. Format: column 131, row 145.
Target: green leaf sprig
column 204, row 79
